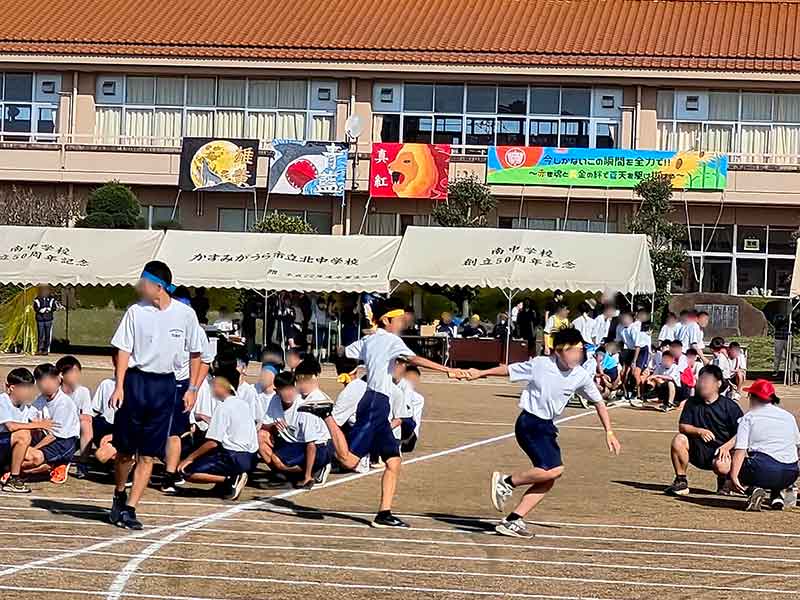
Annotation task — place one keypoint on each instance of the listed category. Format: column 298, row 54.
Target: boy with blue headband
column 151, row 341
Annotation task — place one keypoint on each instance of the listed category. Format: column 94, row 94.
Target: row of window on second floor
column 159, row 111
column 29, row 106
column 504, row 115
column 756, row 126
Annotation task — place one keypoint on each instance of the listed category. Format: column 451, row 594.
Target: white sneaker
column 500, row 491
column 517, row 528
column 363, row 465
column 636, row 402
column 322, row 477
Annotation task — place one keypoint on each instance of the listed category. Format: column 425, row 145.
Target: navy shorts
column 643, row 360
column 702, row 454
column 626, row 357
column 60, row 451
column 227, row 463
column 142, row 423
column 761, row 470
column 293, row 454
column 407, row 434
column 538, row 438
column 612, row 373
column 100, row 429
column 180, row 417
column 372, row 433
column 5, row 449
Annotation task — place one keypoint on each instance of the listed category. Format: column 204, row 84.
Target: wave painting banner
column 409, row 171
column 308, row 168
column 601, row 167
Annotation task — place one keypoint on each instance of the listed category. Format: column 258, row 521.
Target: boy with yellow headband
column 372, row 432
column 551, row 382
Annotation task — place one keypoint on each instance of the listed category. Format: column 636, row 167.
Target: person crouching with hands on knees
column 707, row 432
column 550, row 382
column 764, row 463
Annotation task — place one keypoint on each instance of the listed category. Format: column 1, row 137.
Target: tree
column 24, row 206
column 663, row 235
column 468, row 204
column 276, row 222
column 113, row 205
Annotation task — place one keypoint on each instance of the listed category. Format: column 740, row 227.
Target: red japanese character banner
column 409, row 171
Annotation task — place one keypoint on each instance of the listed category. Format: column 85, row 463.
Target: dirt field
column 606, row 532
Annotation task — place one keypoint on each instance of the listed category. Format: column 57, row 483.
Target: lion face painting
column 409, row 171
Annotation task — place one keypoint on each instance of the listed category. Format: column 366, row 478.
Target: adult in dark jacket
column 44, row 307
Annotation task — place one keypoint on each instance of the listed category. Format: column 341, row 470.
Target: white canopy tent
column 33, row 255
column 516, row 260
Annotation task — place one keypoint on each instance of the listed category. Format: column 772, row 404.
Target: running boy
column 15, row 430
column 55, row 450
column 229, row 451
column 551, row 381
column 70, row 369
column 371, row 433
column 151, row 338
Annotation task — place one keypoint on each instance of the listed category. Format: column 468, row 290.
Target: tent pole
column 266, row 198
column 366, row 214
column 508, row 321
column 266, row 317
column 789, row 344
column 66, row 318
column 175, row 206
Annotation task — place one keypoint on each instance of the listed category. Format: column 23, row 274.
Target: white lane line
column 563, row 579
column 672, row 570
column 630, row 429
column 513, row 547
column 412, row 540
column 487, row 424
column 119, row 583
column 466, row 519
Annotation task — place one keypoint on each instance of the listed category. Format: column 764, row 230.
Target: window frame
column 35, row 106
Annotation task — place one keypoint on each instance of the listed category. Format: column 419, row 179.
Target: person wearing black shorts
column 707, row 432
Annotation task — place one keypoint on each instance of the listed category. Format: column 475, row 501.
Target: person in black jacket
column 44, row 306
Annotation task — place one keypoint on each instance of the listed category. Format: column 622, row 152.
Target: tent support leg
column 789, row 343
column 266, row 317
column 175, row 206
column 510, row 295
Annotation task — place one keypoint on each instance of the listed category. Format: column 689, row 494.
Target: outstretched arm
column 420, row 361
column 498, row 371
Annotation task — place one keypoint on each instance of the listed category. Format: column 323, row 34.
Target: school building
column 102, row 90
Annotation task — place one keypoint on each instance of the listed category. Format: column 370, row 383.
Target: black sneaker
column 14, row 485
column 388, row 521
column 776, row 501
column 128, row 520
column 323, row 410
column 679, row 487
column 117, row 506
column 757, row 497
column 169, row 483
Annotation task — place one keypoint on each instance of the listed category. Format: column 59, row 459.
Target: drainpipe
column 636, row 117
column 73, row 106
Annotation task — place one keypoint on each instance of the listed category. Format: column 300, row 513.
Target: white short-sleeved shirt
column 301, row 428
column 415, row 402
column 346, row 405
column 157, row 339
column 262, row 402
column 673, row 372
column 643, row 339
column 206, row 404
column 601, row 327
column 630, row 335
column 721, row 360
column 378, row 353
column 398, row 408
column 585, row 325
column 100, row 404
column 65, row 415
column 739, row 362
column 548, row 388
column 233, row 427
column 248, row 393
column 82, row 398
column 690, row 335
column 206, row 355
column 668, row 332
column 10, row 413
column 771, row 430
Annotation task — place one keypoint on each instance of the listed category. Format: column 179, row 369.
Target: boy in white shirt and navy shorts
column 372, row 432
column 151, row 341
column 551, row 381
column 228, row 453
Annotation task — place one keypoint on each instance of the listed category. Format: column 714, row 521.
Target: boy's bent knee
column 680, row 442
column 23, row 435
column 556, row 472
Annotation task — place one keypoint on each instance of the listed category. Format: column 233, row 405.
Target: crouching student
column 665, row 382
column 410, row 427
column 70, row 370
column 765, row 457
column 202, row 412
column 298, row 444
column 607, row 370
column 550, row 383
column 228, row 453
column 707, row 433
column 103, row 418
column 55, row 451
column 16, row 430
column 738, row 365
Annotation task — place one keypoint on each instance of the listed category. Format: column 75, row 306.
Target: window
column 779, row 276
column 752, row 240
column 146, row 110
column 781, row 241
column 717, row 275
column 479, row 115
column 381, row 224
column 231, row 219
column 750, row 276
column 28, row 114
column 407, row 221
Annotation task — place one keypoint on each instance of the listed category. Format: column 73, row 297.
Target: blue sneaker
column 117, row 506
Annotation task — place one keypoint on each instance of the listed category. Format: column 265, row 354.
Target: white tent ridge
column 521, row 259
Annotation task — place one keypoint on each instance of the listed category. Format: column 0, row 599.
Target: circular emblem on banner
column 515, row 157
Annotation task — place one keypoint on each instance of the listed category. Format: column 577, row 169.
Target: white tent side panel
column 519, row 259
column 292, row 262
column 60, row 255
column 795, row 289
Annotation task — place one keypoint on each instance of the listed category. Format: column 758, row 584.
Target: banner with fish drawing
column 601, row 167
column 308, row 168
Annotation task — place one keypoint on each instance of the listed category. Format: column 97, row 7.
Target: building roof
column 740, row 35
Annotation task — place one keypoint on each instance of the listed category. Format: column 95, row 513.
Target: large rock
column 730, row 315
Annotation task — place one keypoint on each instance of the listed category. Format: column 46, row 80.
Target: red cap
column 761, row 389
